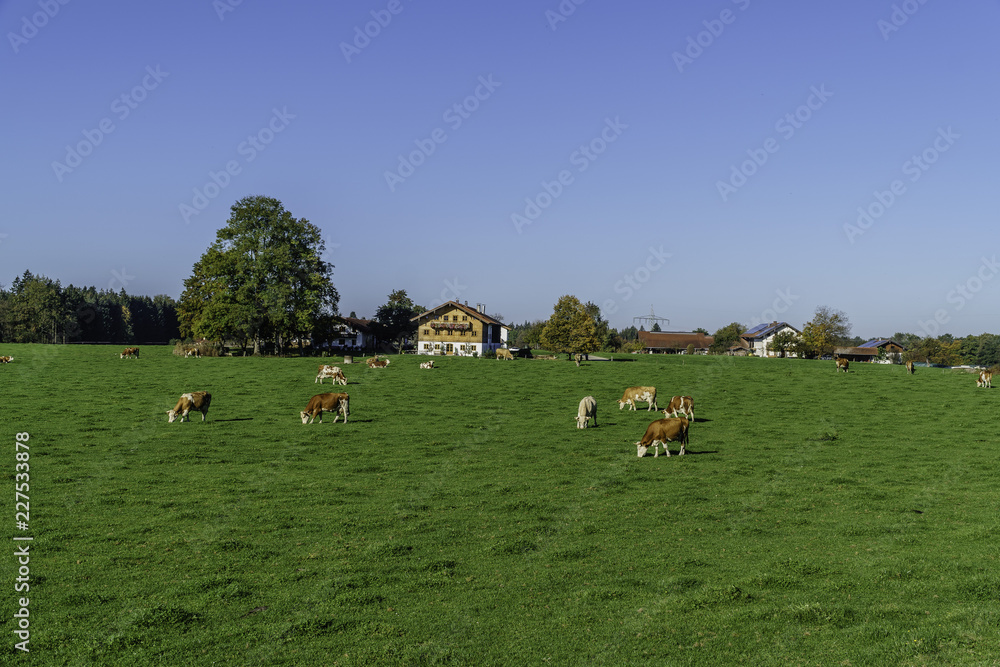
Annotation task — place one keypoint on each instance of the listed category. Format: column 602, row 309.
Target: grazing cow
column 333, row 372
column 504, row 353
column 587, row 409
column 985, row 379
column 680, row 404
column 320, row 403
column 428, row 364
column 196, row 400
column 633, row 394
column 192, row 352
column 663, row 431
column 842, row 365
column 909, row 368
column 378, row 363
column 6, row 360
column 132, row 352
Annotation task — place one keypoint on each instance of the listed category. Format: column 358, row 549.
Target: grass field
column 460, row 517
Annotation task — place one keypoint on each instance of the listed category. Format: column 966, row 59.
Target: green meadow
column 460, row 517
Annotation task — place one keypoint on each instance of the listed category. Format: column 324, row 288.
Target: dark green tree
column 263, row 279
column 393, row 319
column 726, row 337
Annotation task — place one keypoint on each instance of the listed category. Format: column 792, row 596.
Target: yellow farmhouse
column 456, row 329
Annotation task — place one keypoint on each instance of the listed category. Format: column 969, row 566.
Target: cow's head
column 171, row 416
column 622, row 404
column 305, row 417
column 640, row 449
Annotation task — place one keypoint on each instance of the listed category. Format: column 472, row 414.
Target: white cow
column 332, row 372
column 428, row 364
column 587, row 409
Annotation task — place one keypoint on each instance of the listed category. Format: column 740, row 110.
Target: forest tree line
column 37, row 309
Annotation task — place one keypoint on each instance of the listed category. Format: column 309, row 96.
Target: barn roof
column 674, row 340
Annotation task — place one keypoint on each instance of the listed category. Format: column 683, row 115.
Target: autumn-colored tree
column 828, row 329
column 570, row 328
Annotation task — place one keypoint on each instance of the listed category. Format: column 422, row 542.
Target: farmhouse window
column 445, row 318
column 427, row 332
column 449, row 348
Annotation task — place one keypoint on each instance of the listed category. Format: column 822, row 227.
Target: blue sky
column 720, row 161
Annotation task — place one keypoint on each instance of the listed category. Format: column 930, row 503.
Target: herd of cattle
column 669, row 429
column 674, row 427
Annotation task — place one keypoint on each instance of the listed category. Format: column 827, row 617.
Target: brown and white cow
column 132, row 352
column 196, row 400
column 586, row 410
column 504, row 353
column 320, row 403
column 378, row 363
column 842, row 364
column 428, row 364
column 909, row 368
column 333, row 372
column 633, row 394
column 6, row 360
column 985, row 379
column 663, row 431
column 680, row 404
column 192, row 352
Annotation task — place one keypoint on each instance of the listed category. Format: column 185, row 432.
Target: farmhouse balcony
column 459, row 326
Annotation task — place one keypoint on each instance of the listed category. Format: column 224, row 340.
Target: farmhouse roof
column 881, row 342
column 357, row 323
column 674, row 340
column 767, row 329
column 449, row 305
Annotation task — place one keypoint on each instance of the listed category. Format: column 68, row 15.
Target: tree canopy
column 571, row 328
column 392, row 319
column 263, row 279
column 828, row 329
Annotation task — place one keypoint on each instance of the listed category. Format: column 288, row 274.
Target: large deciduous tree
column 263, row 279
column 725, row 337
column 827, row 329
column 570, row 328
column 392, row 319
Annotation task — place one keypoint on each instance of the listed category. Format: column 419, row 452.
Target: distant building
column 881, row 350
column 353, row 334
column 456, row 329
column 675, row 342
column 757, row 341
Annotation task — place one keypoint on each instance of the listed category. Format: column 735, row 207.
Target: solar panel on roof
column 758, row 328
column 873, row 343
